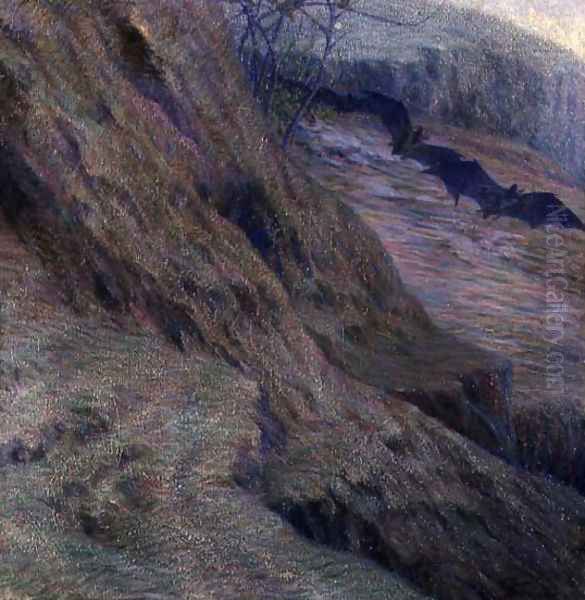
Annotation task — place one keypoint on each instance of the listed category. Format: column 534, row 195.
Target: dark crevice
column 327, row 522
column 135, row 50
column 143, row 69
column 16, row 202
column 330, row 523
column 104, row 290
column 246, row 203
column 248, row 468
column 273, row 433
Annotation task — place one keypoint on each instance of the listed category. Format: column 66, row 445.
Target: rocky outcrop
column 186, row 320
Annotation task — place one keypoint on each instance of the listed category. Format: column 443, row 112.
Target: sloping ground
column 485, row 280
column 123, row 486
column 204, row 359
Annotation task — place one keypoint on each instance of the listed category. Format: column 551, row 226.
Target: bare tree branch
column 260, row 45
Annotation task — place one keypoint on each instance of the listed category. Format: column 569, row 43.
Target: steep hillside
column 204, row 357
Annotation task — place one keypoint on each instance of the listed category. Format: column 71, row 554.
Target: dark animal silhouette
column 460, row 176
column 537, row 209
column 466, row 177
column 494, row 199
column 394, row 117
column 433, row 156
column 392, row 113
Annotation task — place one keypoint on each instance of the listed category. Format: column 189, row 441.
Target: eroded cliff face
column 473, row 69
column 207, row 362
column 536, row 102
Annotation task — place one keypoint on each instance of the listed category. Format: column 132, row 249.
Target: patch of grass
column 83, row 405
column 285, row 104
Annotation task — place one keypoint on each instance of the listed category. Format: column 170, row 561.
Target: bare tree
column 270, row 31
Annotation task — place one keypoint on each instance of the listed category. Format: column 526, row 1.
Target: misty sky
column 562, row 21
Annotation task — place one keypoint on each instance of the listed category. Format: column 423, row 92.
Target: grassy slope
column 171, row 306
